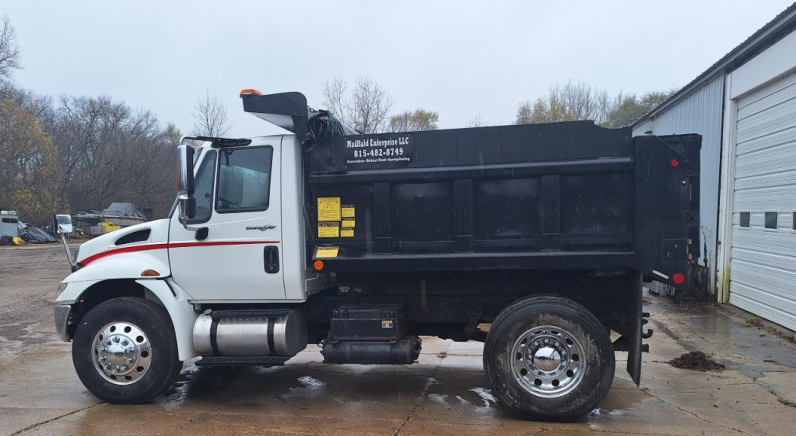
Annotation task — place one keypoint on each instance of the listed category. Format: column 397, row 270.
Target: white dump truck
column 365, row 243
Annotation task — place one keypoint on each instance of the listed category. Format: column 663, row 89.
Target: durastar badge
column 261, row 228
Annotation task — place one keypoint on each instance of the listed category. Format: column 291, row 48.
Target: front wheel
column 125, row 351
column 548, row 358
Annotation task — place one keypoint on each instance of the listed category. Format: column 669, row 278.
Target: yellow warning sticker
column 348, row 223
column 328, row 208
column 326, row 252
column 347, row 233
column 329, row 230
column 348, row 211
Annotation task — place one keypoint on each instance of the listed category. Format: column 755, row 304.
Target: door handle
column 271, row 259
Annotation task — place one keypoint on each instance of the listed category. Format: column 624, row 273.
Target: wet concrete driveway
column 446, row 393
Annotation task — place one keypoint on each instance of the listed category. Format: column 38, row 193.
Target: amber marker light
column 318, row 265
column 250, row 92
column 150, row 273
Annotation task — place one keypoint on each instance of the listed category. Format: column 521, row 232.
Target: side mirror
column 185, row 184
column 185, row 167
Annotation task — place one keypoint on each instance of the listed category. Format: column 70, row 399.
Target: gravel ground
column 29, row 277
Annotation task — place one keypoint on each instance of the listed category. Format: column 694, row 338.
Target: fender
column 168, row 294
column 183, row 317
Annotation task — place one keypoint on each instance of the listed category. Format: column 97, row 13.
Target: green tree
column 413, row 121
column 30, row 172
column 627, row 109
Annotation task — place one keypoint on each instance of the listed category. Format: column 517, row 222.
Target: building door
column 763, row 251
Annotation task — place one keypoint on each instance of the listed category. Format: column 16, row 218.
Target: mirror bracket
column 187, row 206
column 185, row 184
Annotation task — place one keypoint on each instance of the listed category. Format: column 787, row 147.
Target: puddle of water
column 437, row 398
column 16, row 338
column 486, row 396
column 310, row 382
column 310, row 388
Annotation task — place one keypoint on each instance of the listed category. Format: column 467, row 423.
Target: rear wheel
column 548, row 358
column 125, row 351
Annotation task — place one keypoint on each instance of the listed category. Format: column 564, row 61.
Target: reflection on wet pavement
column 437, row 396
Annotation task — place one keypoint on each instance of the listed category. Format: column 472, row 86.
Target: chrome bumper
column 61, row 312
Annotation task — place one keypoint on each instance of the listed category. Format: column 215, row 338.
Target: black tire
column 154, row 322
column 598, row 360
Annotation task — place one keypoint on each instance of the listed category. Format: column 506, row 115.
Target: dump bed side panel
column 537, row 196
column 549, row 196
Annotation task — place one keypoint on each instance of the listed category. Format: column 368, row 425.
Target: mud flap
column 634, row 324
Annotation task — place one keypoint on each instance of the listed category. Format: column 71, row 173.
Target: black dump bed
column 542, row 197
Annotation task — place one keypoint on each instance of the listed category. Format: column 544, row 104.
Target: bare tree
column 413, row 121
column 109, row 152
column 476, row 121
column 9, row 51
column 568, row 102
column 366, row 110
column 334, row 98
column 370, row 104
column 210, row 117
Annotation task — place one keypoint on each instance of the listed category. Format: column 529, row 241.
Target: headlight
column 61, row 289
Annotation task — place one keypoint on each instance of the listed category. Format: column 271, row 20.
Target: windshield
column 63, row 219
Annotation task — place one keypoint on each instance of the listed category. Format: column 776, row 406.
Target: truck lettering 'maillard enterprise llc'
column 378, row 150
column 543, row 231
column 375, row 142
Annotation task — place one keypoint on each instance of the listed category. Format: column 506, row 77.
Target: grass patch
column 442, row 355
column 788, row 403
column 770, row 329
column 754, row 321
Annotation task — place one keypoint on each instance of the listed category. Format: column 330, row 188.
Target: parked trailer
column 365, row 243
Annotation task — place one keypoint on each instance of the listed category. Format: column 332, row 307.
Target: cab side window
column 204, row 189
column 244, row 176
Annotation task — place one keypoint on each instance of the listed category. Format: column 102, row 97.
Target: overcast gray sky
column 458, row 58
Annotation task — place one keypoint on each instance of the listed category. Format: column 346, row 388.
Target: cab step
column 266, row 361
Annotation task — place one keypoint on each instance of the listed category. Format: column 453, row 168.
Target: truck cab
column 248, row 219
column 366, row 243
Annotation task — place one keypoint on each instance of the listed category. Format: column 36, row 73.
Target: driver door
column 238, row 200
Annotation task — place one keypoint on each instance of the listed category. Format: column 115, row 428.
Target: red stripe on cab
column 147, row 247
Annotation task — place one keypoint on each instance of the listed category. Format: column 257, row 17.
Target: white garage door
column 763, row 255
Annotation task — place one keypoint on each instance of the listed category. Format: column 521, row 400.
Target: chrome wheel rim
column 121, row 353
column 548, row 361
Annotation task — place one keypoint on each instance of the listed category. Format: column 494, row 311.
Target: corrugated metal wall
column 700, row 112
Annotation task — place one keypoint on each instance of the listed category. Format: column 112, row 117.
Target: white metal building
column 745, row 108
